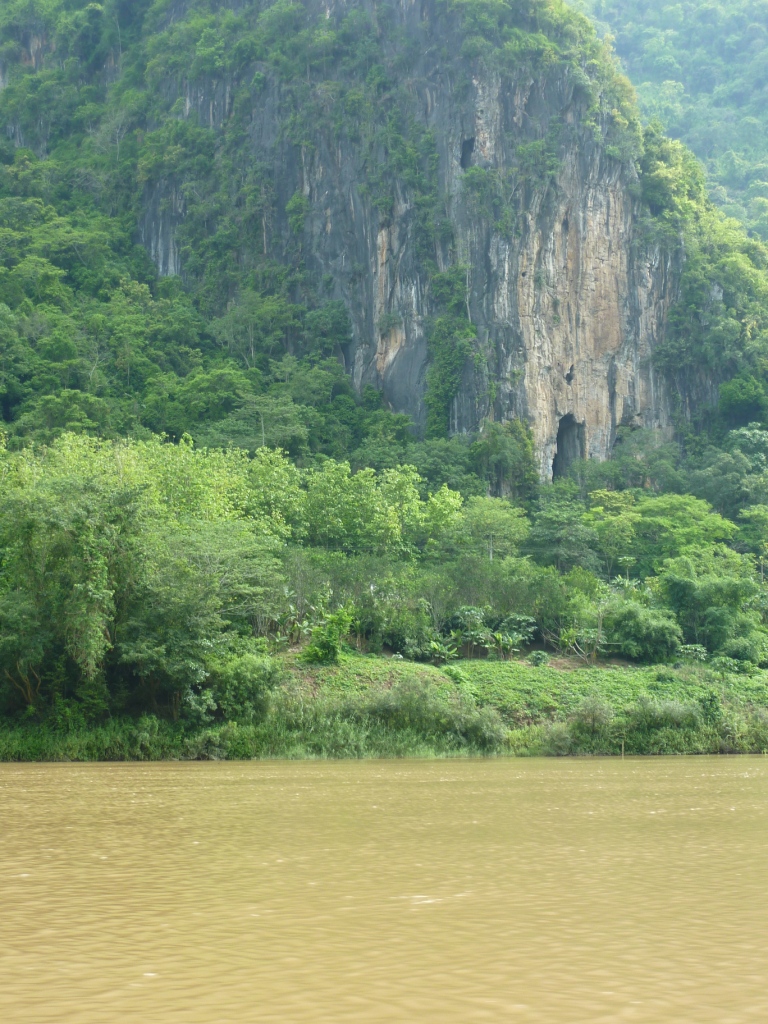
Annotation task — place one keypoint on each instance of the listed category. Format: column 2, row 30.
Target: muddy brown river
column 553, row 891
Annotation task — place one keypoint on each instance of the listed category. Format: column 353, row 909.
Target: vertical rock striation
column 567, row 298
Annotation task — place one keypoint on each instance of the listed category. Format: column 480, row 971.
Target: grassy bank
column 381, row 707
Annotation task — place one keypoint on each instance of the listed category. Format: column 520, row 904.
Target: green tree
column 713, row 594
column 494, row 526
column 643, row 634
column 560, row 537
column 613, row 517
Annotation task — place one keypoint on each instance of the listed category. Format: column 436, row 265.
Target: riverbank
column 384, row 707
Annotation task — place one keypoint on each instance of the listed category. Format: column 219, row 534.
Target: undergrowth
column 380, row 707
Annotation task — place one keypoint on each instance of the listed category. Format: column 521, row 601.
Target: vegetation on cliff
column 699, row 69
column 94, row 103
column 99, row 109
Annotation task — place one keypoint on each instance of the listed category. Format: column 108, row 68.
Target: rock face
column 566, row 298
column 580, row 309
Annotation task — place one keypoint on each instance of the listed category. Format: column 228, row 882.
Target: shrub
column 538, row 658
column 741, row 400
column 643, row 634
column 725, row 666
column 199, row 706
column 463, row 684
column 421, row 708
column 649, row 715
column 711, row 707
column 439, row 651
column 743, row 648
column 694, row 653
column 592, row 717
column 325, row 645
column 456, row 675
column 757, row 732
column 242, row 687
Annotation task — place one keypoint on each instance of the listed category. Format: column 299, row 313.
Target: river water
column 551, row 891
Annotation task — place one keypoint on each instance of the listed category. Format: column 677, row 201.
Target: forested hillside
column 194, row 476
column 701, row 69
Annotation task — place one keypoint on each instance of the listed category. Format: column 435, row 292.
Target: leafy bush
column 420, row 707
column 694, row 653
column 325, row 645
column 711, row 707
column 199, row 706
column 243, row 686
column 649, row 715
column 643, row 634
column 593, row 717
column 743, row 648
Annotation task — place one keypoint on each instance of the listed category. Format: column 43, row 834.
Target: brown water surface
column 534, row 891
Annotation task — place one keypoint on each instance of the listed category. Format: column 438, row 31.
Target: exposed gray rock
column 568, row 303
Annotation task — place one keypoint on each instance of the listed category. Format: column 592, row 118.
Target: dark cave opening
column 467, row 149
column 570, row 446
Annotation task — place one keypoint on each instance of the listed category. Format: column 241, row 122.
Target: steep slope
column 513, row 150
column 466, row 180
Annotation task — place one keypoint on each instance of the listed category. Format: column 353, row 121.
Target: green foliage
column 297, row 209
column 491, row 194
column 714, row 595
column 716, row 330
column 742, row 401
column 505, row 457
column 561, row 537
column 326, row 642
column 698, row 73
column 113, row 141
column 137, row 576
column 643, row 634
column 92, row 342
column 699, row 69
column 495, row 526
column 111, row 596
column 449, row 341
column 242, row 686
column 672, row 183
column 376, row 707
column 592, row 719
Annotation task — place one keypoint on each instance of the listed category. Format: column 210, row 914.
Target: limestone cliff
column 567, row 298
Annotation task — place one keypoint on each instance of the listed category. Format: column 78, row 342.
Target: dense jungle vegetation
column 191, row 491
column 701, row 70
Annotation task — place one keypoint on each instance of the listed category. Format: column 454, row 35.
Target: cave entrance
column 467, row 149
column 570, row 446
